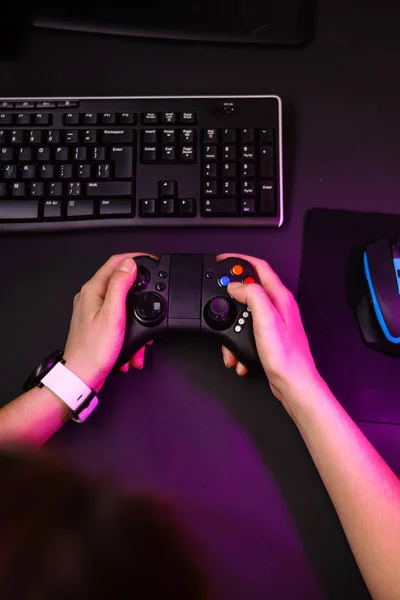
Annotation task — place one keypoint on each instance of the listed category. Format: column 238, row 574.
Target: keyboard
column 140, row 161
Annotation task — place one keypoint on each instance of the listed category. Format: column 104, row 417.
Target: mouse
column 378, row 311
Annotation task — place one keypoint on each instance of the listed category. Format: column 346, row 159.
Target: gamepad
column 188, row 292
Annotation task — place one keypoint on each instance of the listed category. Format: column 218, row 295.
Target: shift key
column 109, row 188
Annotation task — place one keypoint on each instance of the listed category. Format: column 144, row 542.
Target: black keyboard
column 98, row 162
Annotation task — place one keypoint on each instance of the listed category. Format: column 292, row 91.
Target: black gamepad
column 188, row 292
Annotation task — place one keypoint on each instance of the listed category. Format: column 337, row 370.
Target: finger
column 230, row 359
column 255, row 298
column 121, row 281
column 124, row 368
column 279, row 294
column 100, row 280
column 241, row 370
column 138, row 360
column 150, row 343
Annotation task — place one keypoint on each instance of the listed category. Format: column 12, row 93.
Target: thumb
column 255, row 297
column 119, row 285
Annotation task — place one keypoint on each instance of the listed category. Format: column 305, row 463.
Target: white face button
column 238, row 328
column 241, row 321
column 245, row 314
column 248, row 309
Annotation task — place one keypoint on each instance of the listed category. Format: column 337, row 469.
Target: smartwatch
column 53, row 374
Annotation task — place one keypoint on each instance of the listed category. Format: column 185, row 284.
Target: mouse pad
column 365, row 381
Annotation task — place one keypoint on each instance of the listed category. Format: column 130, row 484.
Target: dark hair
column 63, row 537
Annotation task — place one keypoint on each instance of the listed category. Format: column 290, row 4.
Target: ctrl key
column 18, row 210
column 119, row 207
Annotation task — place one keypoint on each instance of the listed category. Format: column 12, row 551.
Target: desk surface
column 341, row 98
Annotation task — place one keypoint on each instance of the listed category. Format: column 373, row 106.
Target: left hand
column 97, row 327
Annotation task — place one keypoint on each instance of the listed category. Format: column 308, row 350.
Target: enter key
column 122, row 157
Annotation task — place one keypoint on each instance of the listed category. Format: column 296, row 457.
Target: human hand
column 280, row 338
column 97, row 327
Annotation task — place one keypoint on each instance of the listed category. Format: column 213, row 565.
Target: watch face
column 42, row 369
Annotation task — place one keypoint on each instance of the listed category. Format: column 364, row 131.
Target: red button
column 249, row 280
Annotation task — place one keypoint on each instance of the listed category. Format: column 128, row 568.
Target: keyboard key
column 122, row 157
column 45, row 104
column 19, row 211
column 188, row 118
column 109, row 188
column 167, row 207
column 148, row 207
column 68, row 104
column 115, row 207
column 90, row 136
column 24, row 154
column 98, row 153
column 247, row 136
column 219, row 207
column 267, row 163
column 229, row 136
column 229, row 153
column 17, row 137
column 23, row 119
column 5, row 119
column 127, row 118
column 55, row 189
column 187, row 136
column 3, row 137
column 210, row 170
column 74, row 189
column 248, row 153
column 5, row 104
column 79, row 209
column 210, row 188
column 46, row 171
column 71, row 119
column 150, row 118
column 84, row 171
column 103, row 171
column 247, row 170
column 108, row 118
column 90, row 118
column 10, row 172
column 43, row 154
column 248, row 187
column 18, row 189
column 71, row 136
column 25, row 104
column 3, row 189
column 210, row 152
column 248, row 207
column 267, row 136
column 37, row 189
column 210, row 136
column 35, row 137
column 168, row 136
column 168, row 189
column 168, row 118
column 53, row 136
column 229, row 171
column 149, row 154
column 229, row 188
column 187, row 154
column 117, row 136
column 187, row 207
column 28, row 172
column 268, row 205
column 80, row 153
column 62, row 154
column 43, row 119
column 52, row 209
column 6, row 155
column 149, row 136
column 168, row 153
column 65, row 171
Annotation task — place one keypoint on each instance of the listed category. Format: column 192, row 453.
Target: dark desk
column 185, row 426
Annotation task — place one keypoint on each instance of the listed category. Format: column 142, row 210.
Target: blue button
column 224, row 280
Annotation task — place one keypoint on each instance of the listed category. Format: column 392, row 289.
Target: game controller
column 188, row 292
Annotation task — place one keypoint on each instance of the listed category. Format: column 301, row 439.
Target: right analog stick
column 220, row 313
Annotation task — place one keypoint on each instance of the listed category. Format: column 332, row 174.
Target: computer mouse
column 378, row 311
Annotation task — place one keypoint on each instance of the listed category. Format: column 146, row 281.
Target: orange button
column 237, row 270
column 249, row 280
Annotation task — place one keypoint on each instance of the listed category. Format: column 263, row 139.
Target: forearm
column 32, row 418
column 363, row 489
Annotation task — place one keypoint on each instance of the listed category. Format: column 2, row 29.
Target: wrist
column 301, row 394
column 93, row 379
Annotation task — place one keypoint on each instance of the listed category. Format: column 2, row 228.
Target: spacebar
column 18, row 210
column 109, row 188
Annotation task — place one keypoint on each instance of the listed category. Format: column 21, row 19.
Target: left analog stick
column 149, row 309
column 142, row 280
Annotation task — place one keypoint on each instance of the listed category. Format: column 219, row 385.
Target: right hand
column 280, row 338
